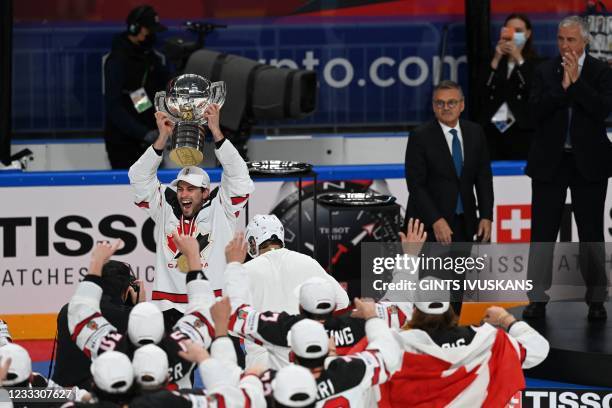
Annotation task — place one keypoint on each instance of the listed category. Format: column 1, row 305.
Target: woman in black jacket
column 505, row 112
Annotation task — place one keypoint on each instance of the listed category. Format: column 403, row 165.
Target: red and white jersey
column 273, row 279
column 270, row 329
column 94, row 335
column 5, row 335
column 213, row 226
column 464, row 367
column 248, row 394
column 350, row 381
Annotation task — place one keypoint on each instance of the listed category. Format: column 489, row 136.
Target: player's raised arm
column 533, row 348
column 383, row 354
column 236, row 184
column 91, row 332
column 148, row 191
column 196, row 325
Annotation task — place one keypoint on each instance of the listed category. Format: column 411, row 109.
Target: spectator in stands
column 71, row 364
column 506, row 115
column 463, row 366
column 133, row 73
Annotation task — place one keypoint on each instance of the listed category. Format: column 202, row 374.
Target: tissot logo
column 72, row 235
column 558, row 398
column 513, row 223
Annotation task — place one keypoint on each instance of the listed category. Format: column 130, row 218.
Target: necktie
column 458, row 160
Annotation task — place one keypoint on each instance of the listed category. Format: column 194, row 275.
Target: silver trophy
column 185, row 101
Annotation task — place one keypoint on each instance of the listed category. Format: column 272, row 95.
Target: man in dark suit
column 571, row 98
column 445, row 159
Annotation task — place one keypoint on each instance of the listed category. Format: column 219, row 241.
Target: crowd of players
column 316, row 357
column 305, row 345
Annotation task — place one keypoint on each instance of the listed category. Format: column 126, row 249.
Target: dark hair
column 448, row 84
column 430, row 322
column 310, row 362
column 323, row 317
column 116, row 277
column 276, row 404
column 119, row 399
column 272, row 241
column 527, row 51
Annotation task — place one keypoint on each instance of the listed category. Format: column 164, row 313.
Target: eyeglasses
column 453, row 103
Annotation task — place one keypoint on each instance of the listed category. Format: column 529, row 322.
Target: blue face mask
column 519, row 39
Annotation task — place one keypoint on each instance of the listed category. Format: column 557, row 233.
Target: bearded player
column 189, row 207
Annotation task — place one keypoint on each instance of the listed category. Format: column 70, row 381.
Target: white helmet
column 262, row 228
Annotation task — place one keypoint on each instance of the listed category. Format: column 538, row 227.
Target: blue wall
column 57, row 68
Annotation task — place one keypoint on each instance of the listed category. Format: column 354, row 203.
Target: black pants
column 513, row 144
column 123, row 155
column 547, row 203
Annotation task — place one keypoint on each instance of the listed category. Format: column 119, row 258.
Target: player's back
column 275, row 276
column 346, row 382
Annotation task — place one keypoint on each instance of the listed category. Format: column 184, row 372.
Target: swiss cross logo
column 514, row 223
column 515, row 401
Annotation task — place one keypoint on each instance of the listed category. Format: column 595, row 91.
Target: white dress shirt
column 449, row 137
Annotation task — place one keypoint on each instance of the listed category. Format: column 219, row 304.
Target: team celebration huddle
column 276, row 331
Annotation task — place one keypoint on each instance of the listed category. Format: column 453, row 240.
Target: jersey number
column 273, row 317
column 109, row 342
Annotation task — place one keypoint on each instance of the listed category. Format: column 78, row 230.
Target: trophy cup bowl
column 185, row 100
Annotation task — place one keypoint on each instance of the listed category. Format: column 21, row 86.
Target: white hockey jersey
column 273, row 279
column 275, row 276
column 352, row 380
column 270, row 329
column 94, row 335
column 213, row 226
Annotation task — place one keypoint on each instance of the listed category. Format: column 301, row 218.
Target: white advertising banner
column 47, row 234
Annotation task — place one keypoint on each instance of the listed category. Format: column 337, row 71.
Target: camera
column 255, row 91
column 178, row 51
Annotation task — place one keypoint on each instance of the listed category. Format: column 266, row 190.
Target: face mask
column 519, row 39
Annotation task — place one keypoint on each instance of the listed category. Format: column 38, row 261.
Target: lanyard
column 144, row 77
column 187, row 227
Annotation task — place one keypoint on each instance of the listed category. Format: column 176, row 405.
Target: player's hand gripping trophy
column 186, row 102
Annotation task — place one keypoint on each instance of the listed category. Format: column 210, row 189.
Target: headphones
column 134, row 27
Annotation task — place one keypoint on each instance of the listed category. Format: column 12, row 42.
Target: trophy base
column 187, row 144
column 186, row 156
